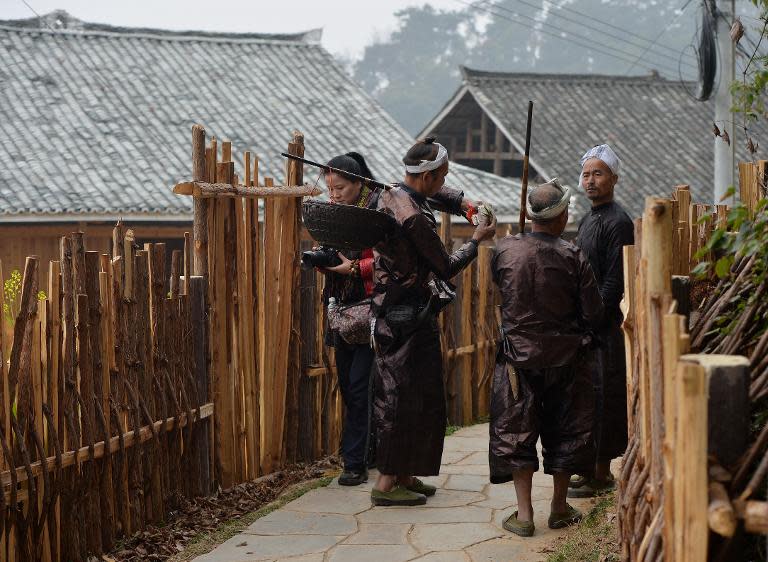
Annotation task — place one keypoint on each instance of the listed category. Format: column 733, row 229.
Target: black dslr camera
column 320, row 257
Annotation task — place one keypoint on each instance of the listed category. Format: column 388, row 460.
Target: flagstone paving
column 461, row 523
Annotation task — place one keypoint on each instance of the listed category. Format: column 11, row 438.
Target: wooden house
column 661, row 133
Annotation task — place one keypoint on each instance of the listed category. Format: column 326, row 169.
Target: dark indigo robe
column 409, row 397
column 603, row 232
column 550, row 308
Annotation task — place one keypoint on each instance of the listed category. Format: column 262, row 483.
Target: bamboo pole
column 485, row 330
column 223, row 421
column 199, row 174
column 467, row 374
column 691, row 494
column 628, row 306
column 684, row 220
column 657, row 255
column 671, row 332
column 291, row 273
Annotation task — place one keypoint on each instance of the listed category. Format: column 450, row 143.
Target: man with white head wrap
column 550, row 305
column 409, row 395
column 603, row 233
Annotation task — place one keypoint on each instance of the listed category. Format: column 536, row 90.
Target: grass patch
column 595, row 539
column 206, row 542
column 451, row 429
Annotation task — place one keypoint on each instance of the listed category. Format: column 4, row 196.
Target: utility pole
column 725, row 155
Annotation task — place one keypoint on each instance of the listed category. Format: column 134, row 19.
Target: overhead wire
column 570, row 38
column 663, row 31
column 623, row 39
column 613, row 26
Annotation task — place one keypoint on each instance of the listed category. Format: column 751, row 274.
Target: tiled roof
column 661, row 133
column 96, row 120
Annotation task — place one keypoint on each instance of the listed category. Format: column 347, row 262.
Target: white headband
column 429, row 165
column 554, row 210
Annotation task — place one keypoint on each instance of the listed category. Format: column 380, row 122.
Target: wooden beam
column 82, row 454
column 210, row 190
column 497, row 147
column 483, row 132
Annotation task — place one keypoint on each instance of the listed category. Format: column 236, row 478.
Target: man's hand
column 485, row 232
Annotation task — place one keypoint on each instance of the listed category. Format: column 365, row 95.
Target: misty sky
column 348, row 25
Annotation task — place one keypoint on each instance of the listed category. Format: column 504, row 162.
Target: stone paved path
column 461, row 523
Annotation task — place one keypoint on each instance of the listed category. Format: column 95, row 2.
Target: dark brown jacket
column 405, row 264
column 550, row 300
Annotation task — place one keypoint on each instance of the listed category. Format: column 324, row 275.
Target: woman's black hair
column 424, row 149
column 352, row 162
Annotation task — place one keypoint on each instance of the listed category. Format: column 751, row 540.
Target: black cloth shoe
column 353, row 477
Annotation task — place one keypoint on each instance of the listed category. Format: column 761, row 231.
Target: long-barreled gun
column 524, row 182
column 373, row 184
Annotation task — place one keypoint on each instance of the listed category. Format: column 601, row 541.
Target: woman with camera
column 350, row 285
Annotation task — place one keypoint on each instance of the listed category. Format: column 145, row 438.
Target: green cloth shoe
column 560, row 520
column 420, row 487
column 592, row 488
column 577, row 481
column 399, row 495
column 520, row 528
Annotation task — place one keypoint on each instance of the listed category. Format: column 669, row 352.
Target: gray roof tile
column 662, row 135
column 97, row 119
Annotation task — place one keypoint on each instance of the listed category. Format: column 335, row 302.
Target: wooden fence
column 273, row 380
column 671, row 487
column 130, row 386
column 104, row 402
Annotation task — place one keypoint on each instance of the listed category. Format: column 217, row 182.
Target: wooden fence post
column 690, row 527
column 200, row 225
column 657, row 256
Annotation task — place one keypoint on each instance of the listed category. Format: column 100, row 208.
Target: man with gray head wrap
column 550, row 305
column 603, row 233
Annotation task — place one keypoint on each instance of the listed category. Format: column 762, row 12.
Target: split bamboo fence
column 104, row 401
column 132, row 384
column 688, row 413
column 274, row 384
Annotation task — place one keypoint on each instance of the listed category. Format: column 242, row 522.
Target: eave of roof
column 454, row 101
column 47, row 23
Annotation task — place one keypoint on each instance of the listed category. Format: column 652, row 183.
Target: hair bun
column 429, row 140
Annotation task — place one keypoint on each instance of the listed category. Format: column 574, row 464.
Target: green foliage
column 748, row 93
column 12, row 289
column 12, row 292
column 746, row 236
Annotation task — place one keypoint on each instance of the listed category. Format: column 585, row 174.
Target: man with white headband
column 603, row 233
column 550, row 306
column 411, row 272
